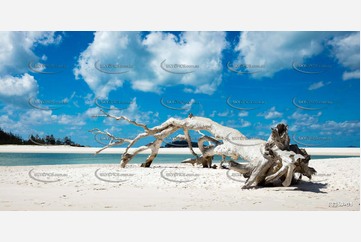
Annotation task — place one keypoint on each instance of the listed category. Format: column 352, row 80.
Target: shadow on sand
column 309, row 186
column 304, row 186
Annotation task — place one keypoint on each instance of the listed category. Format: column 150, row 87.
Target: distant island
column 8, row 138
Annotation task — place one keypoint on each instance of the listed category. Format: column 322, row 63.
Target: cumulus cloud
column 262, row 134
column 188, row 106
column 37, row 117
column 44, row 38
column 25, row 123
column 243, row 114
column 107, row 48
column 272, row 113
column 34, row 120
column 347, row 75
column 244, row 123
column 227, row 113
column 310, row 122
column 237, row 124
column 154, row 61
column 7, row 123
column 133, row 112
column 346, row 49
column 16, row 49
column 75, row 120
column 278, row 50
column 223, row 114
column 344, row 127
column 92, row 112
column 202, row 49
column 41, row 117
column 303, row 120
column 317, row 85
column 18, row 90
column 11, row 86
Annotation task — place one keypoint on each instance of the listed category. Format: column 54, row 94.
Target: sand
column 106, row 187
column 91, row 150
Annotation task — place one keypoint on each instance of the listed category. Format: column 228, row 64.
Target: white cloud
column 306, row 121
column 344, row 127
column 16, row 49
column 89, row 99
column 317, row 85
column 37, row 117
column 347, row 75
column 9, row 124
column 41, row 117
column 44, row 38
column 92, row 112
column 133, row 112
column 277, row 50
column 241, row 123
column 262, row 134
column 145, row 86
column 76, row 120
column 11, row 86
column 346, row 49
column 303, row 120
column 25, row 123
column 18, row 90
column 115, row 48
column 304, row 117
column 15, row 52
column 144, row 56
column 244, row 123
column 192, row 48
column 272, row 113
column 188, row 105
column 224, row 114
column 243, row 114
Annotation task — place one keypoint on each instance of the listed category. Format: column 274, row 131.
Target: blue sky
column 55, row 82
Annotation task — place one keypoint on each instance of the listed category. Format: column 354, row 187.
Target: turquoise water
column 30, row 159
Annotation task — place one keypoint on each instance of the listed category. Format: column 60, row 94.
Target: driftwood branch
column 113, row 141
column 273, row 161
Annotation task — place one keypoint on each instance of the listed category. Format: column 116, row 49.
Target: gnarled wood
column 269, row 162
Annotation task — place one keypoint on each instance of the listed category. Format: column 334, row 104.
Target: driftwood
column 269, row 162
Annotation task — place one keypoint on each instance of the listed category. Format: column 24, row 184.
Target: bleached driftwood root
column 273, row 161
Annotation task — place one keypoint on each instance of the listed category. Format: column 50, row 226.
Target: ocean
column 31, row 159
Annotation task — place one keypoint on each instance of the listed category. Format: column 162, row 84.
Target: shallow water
column 30, row 159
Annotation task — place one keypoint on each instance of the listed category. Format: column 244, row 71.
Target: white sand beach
column 82, row 150
column 91, row 150
column 107, row 187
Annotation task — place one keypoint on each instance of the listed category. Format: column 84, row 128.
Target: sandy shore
column 163, row 187
column 92, row 150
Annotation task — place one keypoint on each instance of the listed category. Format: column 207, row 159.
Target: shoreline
column 92, row 188
column 91, row 150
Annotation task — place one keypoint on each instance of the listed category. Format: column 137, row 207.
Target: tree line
column 7, row 138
